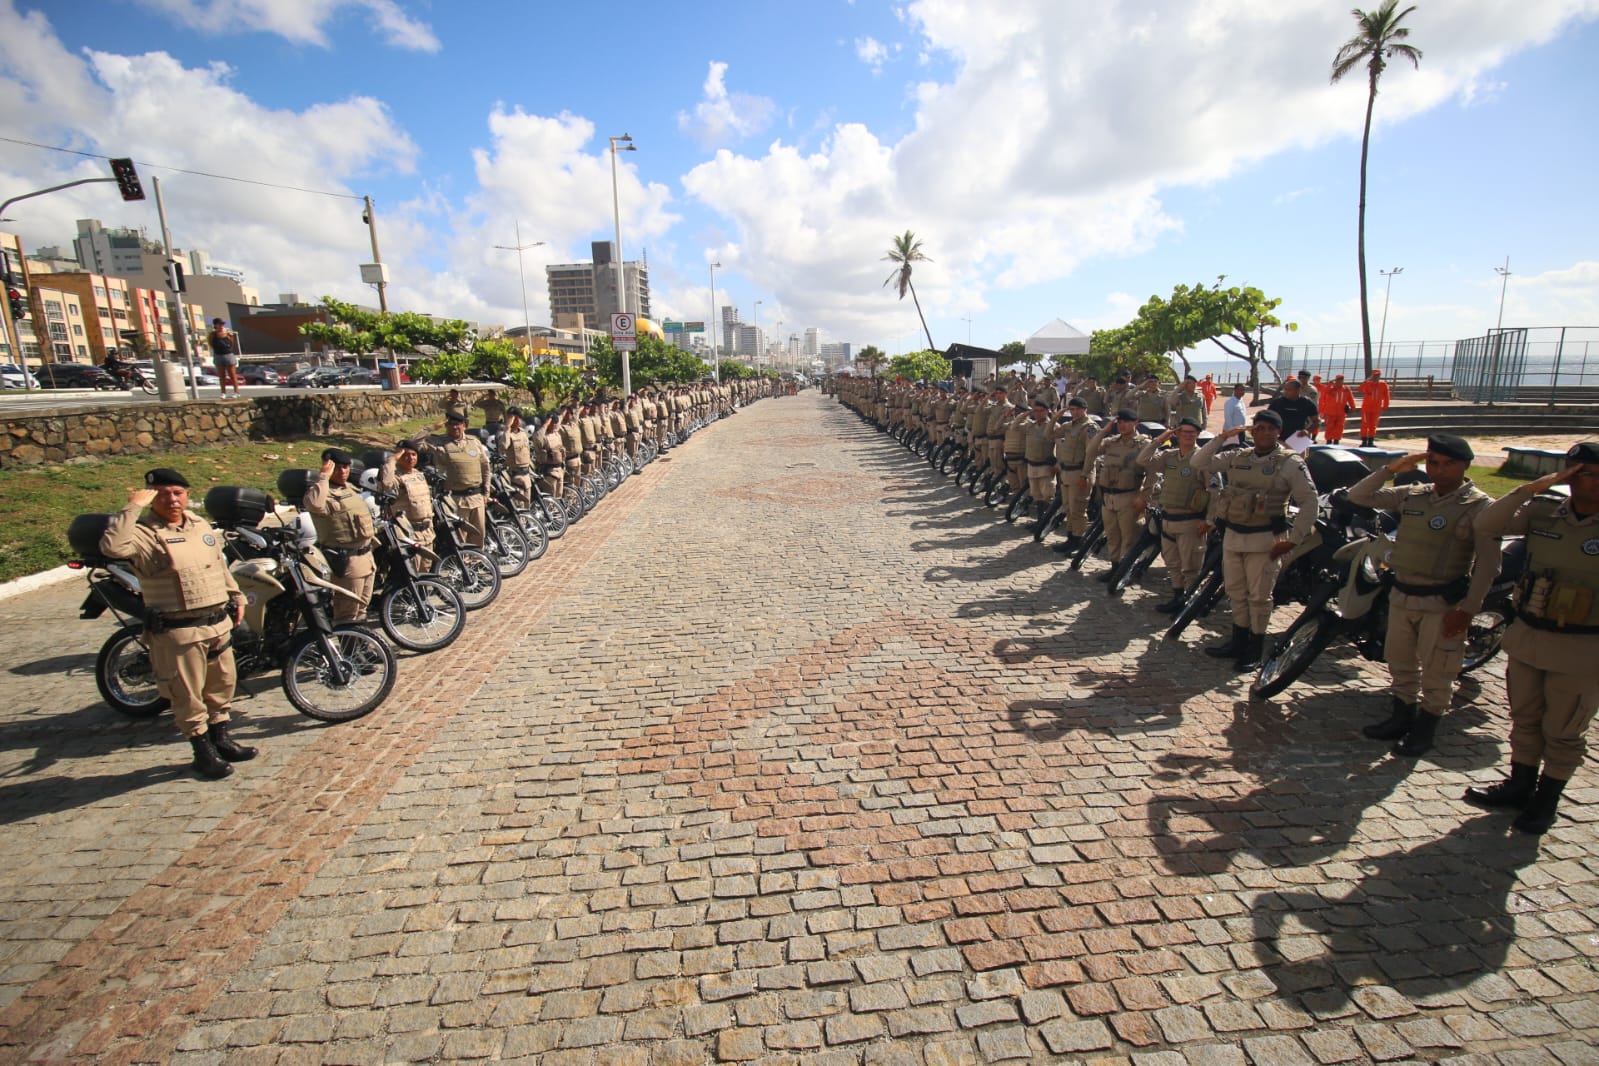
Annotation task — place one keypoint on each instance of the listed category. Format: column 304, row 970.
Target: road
column 787, row 753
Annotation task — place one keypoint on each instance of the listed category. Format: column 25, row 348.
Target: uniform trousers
column 1074, row 493
column 1421, row 660
column 472, row 511
column 1334, row 427
column 552, row 479
column 1250, row 574
column 1015, row 472
column 1369, row 417
column 1553, row 696
column 194, row 674
column 1041, row 481
column 1121, row 522
column 359, row 574
column 996, row 456
column 522, row 489
column 1182, row 548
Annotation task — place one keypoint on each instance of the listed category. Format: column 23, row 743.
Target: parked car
column 11, row 377
column 300, row 378
column 75, row 376
column 325, row 377
column 360, row 375
column 259, row 375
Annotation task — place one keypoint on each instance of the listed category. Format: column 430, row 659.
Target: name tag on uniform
column 176, row 540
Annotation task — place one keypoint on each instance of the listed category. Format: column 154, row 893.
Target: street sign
column 693, row 327
column 671, row 327
column 624, row 333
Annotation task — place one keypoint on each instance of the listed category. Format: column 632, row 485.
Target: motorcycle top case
column 84, row 533
column 293, row 483
column 232, row 507
column 1335, row 468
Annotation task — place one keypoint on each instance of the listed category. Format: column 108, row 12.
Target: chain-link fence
column 1546, row 364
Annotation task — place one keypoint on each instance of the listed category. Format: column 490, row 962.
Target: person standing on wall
column 225, row 355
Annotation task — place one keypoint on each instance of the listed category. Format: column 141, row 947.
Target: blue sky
column 1057, row 159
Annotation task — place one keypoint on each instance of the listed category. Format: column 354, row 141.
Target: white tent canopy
column 1057, row 337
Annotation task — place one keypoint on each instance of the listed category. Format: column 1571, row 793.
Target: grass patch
column 1494, row 482
column 37, row 502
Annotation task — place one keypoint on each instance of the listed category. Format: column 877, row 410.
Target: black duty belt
column 421, row 523
column 550, row 467
column 462, row 493
column 1042, row 462
column 156, row 622
column 1186, row 516
column 1252, row 529
column 1069, row 469
column 1114, row 492
column 1549, row 625
column 1453, row 592
column 521, row 469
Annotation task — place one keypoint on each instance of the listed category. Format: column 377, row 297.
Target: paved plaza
column 787, row 754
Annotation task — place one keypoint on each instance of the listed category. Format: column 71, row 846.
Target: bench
column 1532, row 462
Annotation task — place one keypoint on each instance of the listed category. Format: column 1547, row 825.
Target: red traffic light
column 127, row 179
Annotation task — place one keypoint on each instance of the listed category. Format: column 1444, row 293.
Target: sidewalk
column 786, row 754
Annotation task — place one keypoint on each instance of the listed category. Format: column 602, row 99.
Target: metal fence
column 1537, row 364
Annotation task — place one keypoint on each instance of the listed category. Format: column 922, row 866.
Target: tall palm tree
column 905, row 251
column 1380, row 39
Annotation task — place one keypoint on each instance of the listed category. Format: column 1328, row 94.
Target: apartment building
column 589, row 289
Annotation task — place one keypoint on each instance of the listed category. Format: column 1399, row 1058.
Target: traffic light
column 175, row 280
column 19, row 306
column 127, row 179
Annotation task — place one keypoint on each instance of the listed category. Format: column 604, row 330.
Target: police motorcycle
column 503, row 511
column 330, row 672
column 1351, row 601
column 472, row 573
column 1332, row 470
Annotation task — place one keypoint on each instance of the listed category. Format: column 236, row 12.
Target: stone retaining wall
column 139, row 428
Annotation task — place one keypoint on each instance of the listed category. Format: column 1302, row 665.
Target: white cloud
column 874, row 53
column 722, row 117
column 299, row 21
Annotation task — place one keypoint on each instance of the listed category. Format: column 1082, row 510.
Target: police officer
column 1437, row 587
column 1183, row 498
column 453, row 402
column 1152, row 405
column 550, row 455
column 1117, row 450
column 1093, row 396
column 572, row 444
column 493, row 408
column 193, row 603
column 344, row 531
column 517, row 447
column 1261, row 482
column 1071, row 439
column 413, row 499
column 465, row 463
column 1039, row 455
column 1553, row 644
column 1186, row 402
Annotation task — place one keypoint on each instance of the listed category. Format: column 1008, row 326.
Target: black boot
column 1069, row 545
column 1396, row 725
column 206, row 760
column 1418, row 741
column 1539, row 814
column 1173, row 605
column 226, row 746
column 1254, row 649
column 1232, row 647
column 1513, row 791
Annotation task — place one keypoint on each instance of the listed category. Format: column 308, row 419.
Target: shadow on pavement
column 52, row 795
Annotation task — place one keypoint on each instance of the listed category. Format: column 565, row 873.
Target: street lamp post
column 1388, row 288
column 710, row 323
column 1499, row 337
column 757, row 334
column 626, row 145
column 519, row 248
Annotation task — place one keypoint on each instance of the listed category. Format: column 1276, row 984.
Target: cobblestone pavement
column 787, row 754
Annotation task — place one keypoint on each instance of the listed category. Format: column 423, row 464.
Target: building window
column 77, row 330
column 99, row 292
column 83, row 351
column 74, row 310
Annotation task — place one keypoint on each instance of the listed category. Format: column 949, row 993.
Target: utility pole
column 180, row 315
column 370, row 217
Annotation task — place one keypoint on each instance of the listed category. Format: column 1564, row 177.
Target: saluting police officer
column 1183, row 498
column 344, row 531
column 413, row 499
column 1120, row 503
column 1040, row 457
column 1261, row 482
column 1553, row 644
column 517, row 448
column 465, row 463
column 192, row 605
column 1071, row 439
column 1442, row 570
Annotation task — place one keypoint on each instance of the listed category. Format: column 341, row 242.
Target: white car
column 11, row 377
column 204, row 378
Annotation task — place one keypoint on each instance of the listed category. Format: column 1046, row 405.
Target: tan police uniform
column 1183, row 499
column 1254, row 504
column 572, row 443
column 517, row 447
column 1040, row 459
column 1015, row 469
column 1071, row 456
column 344, row 532
column 1151, row 406
column 1119, row 479
column 589, row 427
column 188, row 588
column 995, row 416
column 413, row 500
column 550, row 457
column 465, row 465
column 1183, row 405
column 492, row 407
column 1094, row 397
column 634, row 416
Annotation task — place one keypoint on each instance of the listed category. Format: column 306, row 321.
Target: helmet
column 369, row 480
column 306, row 530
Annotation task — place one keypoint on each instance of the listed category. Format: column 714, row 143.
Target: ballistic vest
column 1428, row 549
column 1182, row 486
column 1560, row 590
column 1257, row 491
column 1151, row 407
column 1118, row 469
column 1185, row 406
column 571, row 439
column 1071, row 444
column 413, row 496
column 517, row 448
column 1013, row 432
column 994, row 419
column 1035, row 441
column 635, row 419
column 943, row 410
column 1095, row 399
column 348, row 523
column 189, row 574
column 589, row 432
column 462, row 464
column 619, row 426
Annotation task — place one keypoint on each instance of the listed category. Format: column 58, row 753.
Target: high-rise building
column 813, row 340
column 730, row 325
column 589, row 289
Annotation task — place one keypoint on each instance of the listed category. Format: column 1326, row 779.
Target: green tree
column 554, row 384
column 1380, row 39
column 1235, row 320
column 870, row 357
column 1012, row 352
column 920, row 366
column 904, row 253
column 1112, row 351
column 655, row 360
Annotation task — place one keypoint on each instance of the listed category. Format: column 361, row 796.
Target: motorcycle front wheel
column 339, row 677
column 1485, row 635
column 425, row 615
column 473, row 575
column 507, row 546
column 125, row 676
column 1306, row 639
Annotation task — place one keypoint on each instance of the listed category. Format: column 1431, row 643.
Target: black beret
column 405, row 446
column 1039, row 401
column 1585, row 452
column 165, row 475
column 1077, row 401
column 517, row 411
column 339, row 456
column 1269, row 416
column 1189, row 422
column 1450, row 446
column 455, row 416
column 1127, row 414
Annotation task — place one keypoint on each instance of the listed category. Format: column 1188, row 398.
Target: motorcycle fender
column 1353, row 601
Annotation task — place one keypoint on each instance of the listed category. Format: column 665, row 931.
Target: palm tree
column 1380, row 39
column 871, row 358
column 907, row 250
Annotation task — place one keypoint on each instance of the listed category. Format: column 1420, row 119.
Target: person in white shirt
column 1235, row 412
